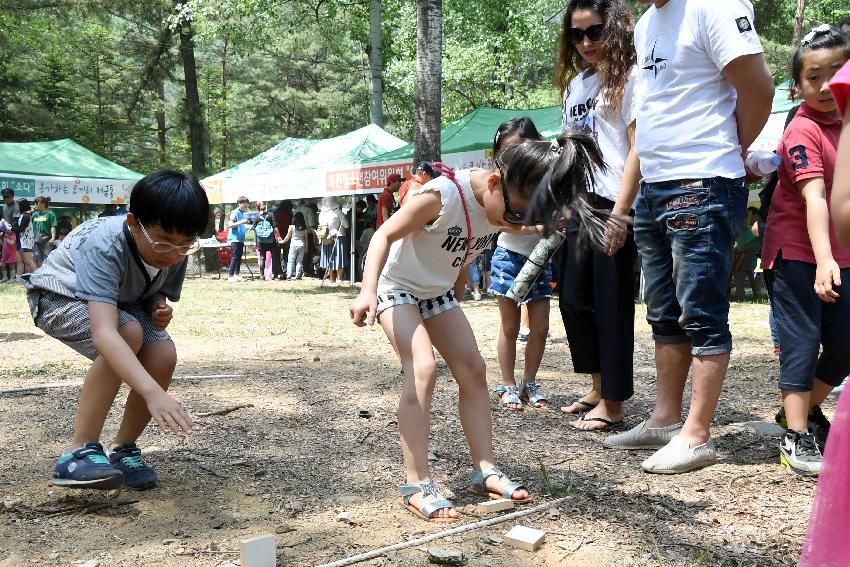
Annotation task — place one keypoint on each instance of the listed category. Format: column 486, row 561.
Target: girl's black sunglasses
column 593, row 33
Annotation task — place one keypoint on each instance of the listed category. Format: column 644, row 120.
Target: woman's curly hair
column 618, row 55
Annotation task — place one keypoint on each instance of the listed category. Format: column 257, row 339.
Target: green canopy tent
column 64, row 171
column 301, row 167
column 466, row 142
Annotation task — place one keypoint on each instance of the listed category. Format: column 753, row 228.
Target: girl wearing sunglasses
column 597, row 75
column 411, row 265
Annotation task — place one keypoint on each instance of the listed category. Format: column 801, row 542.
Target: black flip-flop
column 608, row 424
column 588, row 406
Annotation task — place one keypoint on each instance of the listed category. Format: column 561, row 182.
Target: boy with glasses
column 103, row 293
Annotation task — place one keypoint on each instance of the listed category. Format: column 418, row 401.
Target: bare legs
column 101, row 386
column 798, row 404
column 538, row 321
column 672, row 362
column 414, row 341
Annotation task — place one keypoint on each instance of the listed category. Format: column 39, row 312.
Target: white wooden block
column 258, row 551
column 493, row 506
column 525, row 538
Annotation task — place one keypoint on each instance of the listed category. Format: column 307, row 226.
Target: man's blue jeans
column 685, row 231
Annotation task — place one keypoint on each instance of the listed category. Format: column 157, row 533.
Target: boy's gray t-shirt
column 99, row 261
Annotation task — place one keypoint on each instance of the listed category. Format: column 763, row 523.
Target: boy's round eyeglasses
column 593, row 33
column 167, row 247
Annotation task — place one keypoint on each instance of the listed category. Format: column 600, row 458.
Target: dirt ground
column 300, row 455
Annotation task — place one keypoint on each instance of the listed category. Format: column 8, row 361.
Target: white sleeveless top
column 426, row 262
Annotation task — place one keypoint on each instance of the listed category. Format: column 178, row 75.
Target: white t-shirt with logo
column 426, row 262
column 519, row 243
column 587, row 109
column 686, row 126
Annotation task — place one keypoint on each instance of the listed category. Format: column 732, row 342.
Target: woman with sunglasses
column 596, row 72
column 411, row 266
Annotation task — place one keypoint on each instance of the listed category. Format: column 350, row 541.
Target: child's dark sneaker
column 128, row 459
column 819, row 426
column 86, row 467
column 780, row 418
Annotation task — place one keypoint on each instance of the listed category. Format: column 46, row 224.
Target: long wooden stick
column 439, row 535
column 42, row 388
column 224, row 411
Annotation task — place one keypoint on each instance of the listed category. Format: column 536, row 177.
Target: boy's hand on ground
column 161, row 314
column 169, row 415
column 363, row 309
column 827, row 274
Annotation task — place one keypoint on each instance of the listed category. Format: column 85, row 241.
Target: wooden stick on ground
column 223, row 411
column 439, row 535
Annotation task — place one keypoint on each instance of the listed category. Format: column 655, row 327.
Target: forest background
column 147, row 83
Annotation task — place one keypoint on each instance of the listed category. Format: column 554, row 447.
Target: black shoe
column 819, row 426
column 128, row 459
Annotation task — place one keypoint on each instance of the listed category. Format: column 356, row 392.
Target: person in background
column 845, row 25
column 706, row 93
column 307, row 210
column 267, row 242
column 296, row 238
column 109, row 210
column 386, row 202
column 26, row 240
column 236, row 227
column 596, row 71
column 424, row 173
column 63, row 227
column 805, row 264
column 8, row 256
column 371, row 214
column 334, row 256
column 44, row 225
column 11, row 209
column 283, row 214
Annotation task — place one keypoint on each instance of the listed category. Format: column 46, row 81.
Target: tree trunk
column 193, row 102
column 798, row 22
column 160, row 124
column 376, row 65
column 429, row 73
column 196, row 127
column 224, row 106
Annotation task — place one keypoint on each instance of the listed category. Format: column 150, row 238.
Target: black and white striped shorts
column 67, row 319
column 427, row 307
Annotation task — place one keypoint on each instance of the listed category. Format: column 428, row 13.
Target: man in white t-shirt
column 706, row 93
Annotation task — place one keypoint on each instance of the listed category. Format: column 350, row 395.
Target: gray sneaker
column 677, row 456
column 643, row 437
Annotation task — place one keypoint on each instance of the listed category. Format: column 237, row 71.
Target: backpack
column 264, row 229
column 323, row 233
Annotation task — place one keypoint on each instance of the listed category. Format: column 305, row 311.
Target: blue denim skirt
column 504, row 268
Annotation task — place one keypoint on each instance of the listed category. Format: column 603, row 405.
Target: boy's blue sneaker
column 86, row 467
column 128, row 459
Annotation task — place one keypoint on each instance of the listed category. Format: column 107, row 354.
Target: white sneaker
column 677, row 456
column 235, row 279
column 476, row 296
column 643, row 437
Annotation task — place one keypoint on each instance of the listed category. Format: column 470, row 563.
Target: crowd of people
column 658, row 116
column 672, row 116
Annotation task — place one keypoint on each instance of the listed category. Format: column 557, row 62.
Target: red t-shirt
column 385, row 201
column 808, row 151
column 411, row 184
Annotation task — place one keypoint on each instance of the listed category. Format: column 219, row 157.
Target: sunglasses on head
column 593, row 33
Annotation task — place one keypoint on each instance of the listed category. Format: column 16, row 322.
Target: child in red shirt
column 805, row 264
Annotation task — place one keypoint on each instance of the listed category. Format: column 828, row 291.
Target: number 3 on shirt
column 798, row 154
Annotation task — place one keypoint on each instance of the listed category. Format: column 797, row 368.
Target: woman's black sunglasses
column 593, row 33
